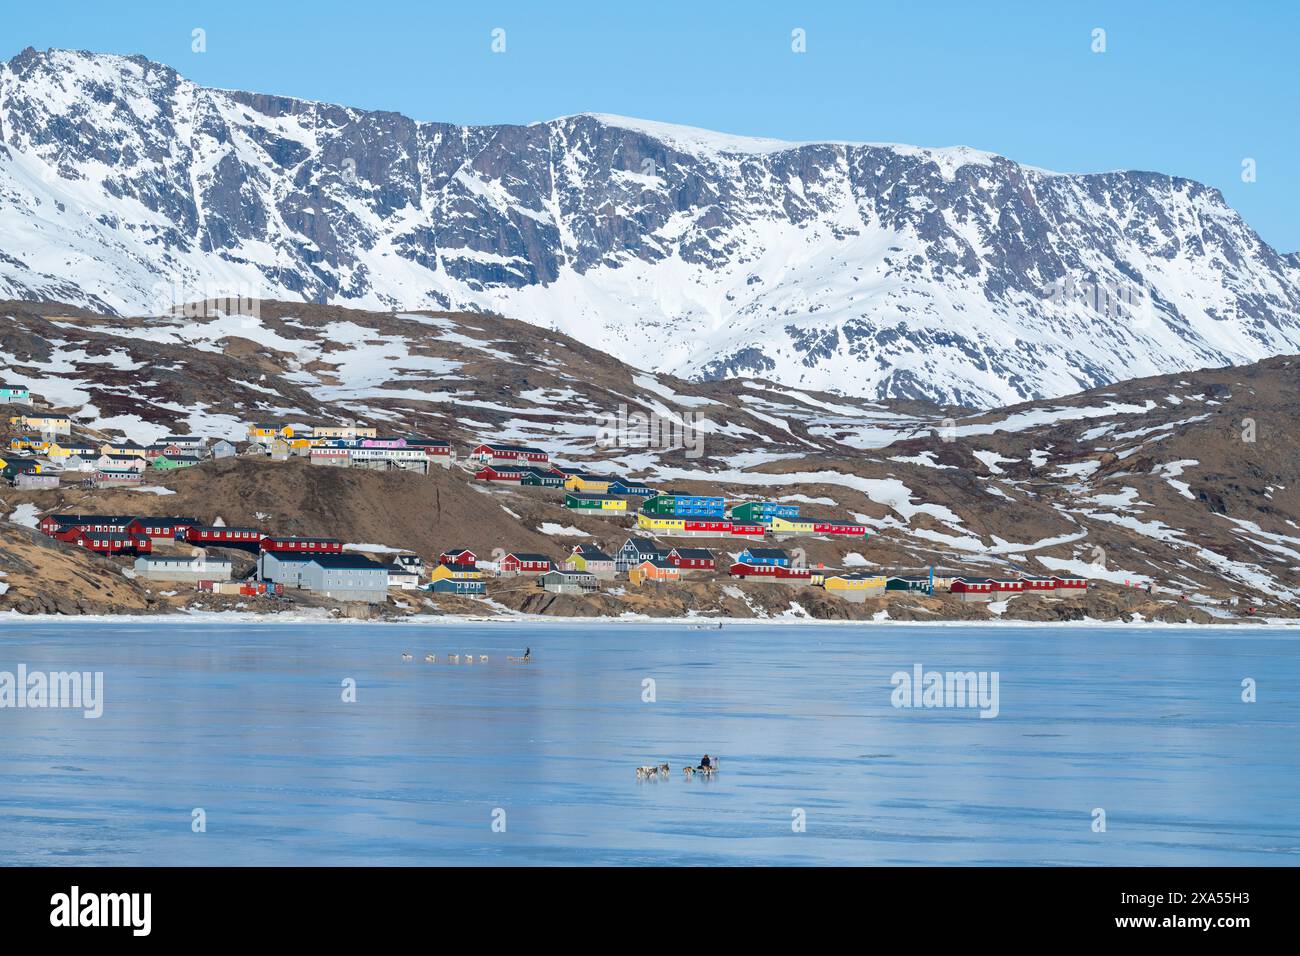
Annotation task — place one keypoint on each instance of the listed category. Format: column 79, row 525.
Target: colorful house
column 519, row 563
column 854, row 587
column 68, row 447
column 585, row 481
column 655, row 571
column 110, row 542
column 321, row 432
column 462, row 586
column 635, row 550
column 455, row 572
column 1035, row 583
column 683, row 505
column 972, row 589
column 57, row 524
column 839, row 528
column 692, row 559
column 589, row 558
column 597, row 504
column 159, row 527
column 308, row 544
column 503, row 473
column 437, row 452
column 14, row 393
column 266, row 432
column 541, row 478
column 1071, row 584
column 783, row 526
column 223, row 449
column 14, row 466
column 493, row 454
column 762, row 512
column 659, row 524
column 244, row 539
column 899, row 583
column 124, row 449
column 624, row 486
column 765, row 557
column 173, row 462
column 742, row 530
column 121, row 462
column 459, row 557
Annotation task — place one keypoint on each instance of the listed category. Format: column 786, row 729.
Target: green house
column 907, row 584
column 172, row 462
column 537, row 478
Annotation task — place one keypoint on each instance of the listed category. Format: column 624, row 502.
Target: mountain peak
column 877, row 270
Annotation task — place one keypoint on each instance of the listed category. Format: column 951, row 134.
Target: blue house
column 456, row 586
column 680, row 505
column 775, row 557
column 624, row 486
column 636, row 550
column 14, row 393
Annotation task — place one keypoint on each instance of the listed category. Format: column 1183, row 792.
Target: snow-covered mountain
column 871, row 270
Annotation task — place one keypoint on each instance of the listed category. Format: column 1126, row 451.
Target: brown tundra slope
column 1183, row 483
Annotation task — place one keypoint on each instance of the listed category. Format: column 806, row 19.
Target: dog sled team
column 451, row 658
column 708, row 766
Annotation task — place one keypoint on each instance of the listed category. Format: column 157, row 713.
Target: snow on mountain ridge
column 868, row 269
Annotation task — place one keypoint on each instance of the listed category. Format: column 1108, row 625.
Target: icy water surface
column 246, row 721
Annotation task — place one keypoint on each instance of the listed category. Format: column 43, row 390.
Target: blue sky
column 1190, row 88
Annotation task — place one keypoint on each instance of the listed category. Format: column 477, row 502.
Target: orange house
column 653, row 571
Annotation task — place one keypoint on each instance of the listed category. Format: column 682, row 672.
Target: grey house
column 346, row 577
column 568, row 582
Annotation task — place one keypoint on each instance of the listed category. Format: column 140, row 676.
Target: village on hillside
column 198, row 550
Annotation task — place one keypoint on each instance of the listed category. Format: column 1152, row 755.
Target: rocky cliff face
column 870, row 270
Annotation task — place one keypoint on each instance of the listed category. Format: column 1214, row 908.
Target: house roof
column 517, row 448
column 591, row 552
column 766, row 552
column 693, row 553
column 346, row 562
column 454, row 551
column 644, row 544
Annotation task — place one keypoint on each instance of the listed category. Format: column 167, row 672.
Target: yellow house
column 323, row 432
column 655, row 523
column 67, row 449
column 791, row 526
column 57, row 424
column 590, row 483
column 123, row 448
column 28, row 443
column 445, row 572
column 260, row 431
column 852, row 587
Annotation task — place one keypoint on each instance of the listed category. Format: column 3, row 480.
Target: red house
column 1071, row 584
column 692, row 559
column 489, row 473
column 741, row 529
column 459, row 558
column 742, row 570
column 518, row 563
column 971, row 586
column 716, row 527
column 112, row 542
column 220, row 536
column 509, row 454
column 838, row 527
column 302, row 545
column 160, row 527
column 786, row 573
column 1014, row 585
column 54, row 525
column 1038, row 584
